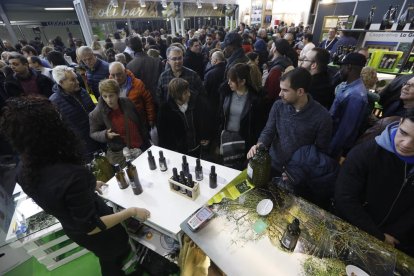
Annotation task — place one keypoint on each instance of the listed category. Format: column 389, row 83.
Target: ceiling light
column 114, row 3
column 199, row 4
column 164, row 3
column 142, row 3
column 59, row 9
column 214, row 6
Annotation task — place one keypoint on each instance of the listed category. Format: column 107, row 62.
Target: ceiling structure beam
column 9, row 28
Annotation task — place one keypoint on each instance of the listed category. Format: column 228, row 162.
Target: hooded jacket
column 375, row 190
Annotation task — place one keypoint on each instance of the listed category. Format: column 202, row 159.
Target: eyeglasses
column 176, row 58
column 303, row 60
column 410, row 85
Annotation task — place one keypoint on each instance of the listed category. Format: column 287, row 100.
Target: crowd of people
column 219, row 94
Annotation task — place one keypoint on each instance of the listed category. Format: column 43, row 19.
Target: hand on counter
column 140, row 213
column 391, row 240
column 99, row 186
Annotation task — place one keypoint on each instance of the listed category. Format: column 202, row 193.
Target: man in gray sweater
column 294, row 121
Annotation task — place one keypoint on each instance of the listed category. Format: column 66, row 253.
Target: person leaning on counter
column 375, row 188
column 52, row 174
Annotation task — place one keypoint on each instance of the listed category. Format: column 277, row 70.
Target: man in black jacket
column 316, row 62
column 214, row 77
column 193, row 58
column 375, row 188
column 25, row 81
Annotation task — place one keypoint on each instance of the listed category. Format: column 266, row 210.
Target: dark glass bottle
column 370, row 18
column 183, row 181
column 405, row 18
column 190, row 184
column 393, row 16
column 151, row 161
column 132, row 173
column 101, row 168
column 184, row 165
column 163, row 162
column 176, row 178
column 198, row 170
column 385, row 19
column 258, row 169
column 120, row 177
column 291, row 235
column 213, row 178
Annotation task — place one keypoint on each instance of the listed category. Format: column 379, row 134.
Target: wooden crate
column 194, row 192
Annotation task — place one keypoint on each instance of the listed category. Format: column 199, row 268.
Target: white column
column 226, row 24
column 84, row 20
column 172, row 22
column 182, row 19
column 9, row 28
column 177, row 25
column 231, row 23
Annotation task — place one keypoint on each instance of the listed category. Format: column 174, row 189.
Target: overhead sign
column 106, row 9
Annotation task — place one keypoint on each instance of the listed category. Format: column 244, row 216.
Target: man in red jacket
column 134, row 89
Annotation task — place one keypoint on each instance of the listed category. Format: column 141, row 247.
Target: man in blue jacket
column 349, row 109
column 375, row 187
column 74, row 105
column 97, row 69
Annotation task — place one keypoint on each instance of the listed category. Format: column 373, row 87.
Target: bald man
column 134, row 89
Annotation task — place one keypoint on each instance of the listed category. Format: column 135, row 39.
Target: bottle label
column 286, row 242
column 162, row 166
column 249, row 171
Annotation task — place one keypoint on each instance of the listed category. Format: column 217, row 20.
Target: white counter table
column 168, row 209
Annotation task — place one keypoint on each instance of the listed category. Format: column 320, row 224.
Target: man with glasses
column 97, row 69
column 397, row 103
column 177, row 70
column 328, row 43
column 133, row 89
column 349, row 109
column 316, row 62
column 193, row 58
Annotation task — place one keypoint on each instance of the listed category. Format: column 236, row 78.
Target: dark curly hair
column 35, row 130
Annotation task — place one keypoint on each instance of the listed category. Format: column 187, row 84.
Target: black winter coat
column 13, row 88
column 75, row 113
column 321, row 90
column 252, row 118
column 369, row 183
column 175, row 129
column 213, row 78
column 195, row 62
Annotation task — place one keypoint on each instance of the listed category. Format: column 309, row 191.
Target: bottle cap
column 117, row 168
column 129, row 162
column 264, row 207
column 213, row 169
column 175, row 171
column 190, row 178
column 149, row 153
column 198, row 163
column 184, row 159
column 295, row 224
column 161, row 154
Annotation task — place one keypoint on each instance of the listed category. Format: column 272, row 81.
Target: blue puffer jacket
column 99, row 72
column 75, row 113
column 312, row 174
